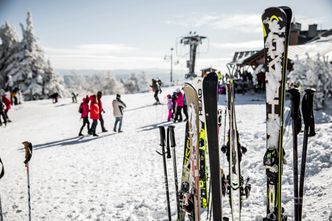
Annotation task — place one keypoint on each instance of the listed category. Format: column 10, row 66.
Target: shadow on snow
column 68, row 141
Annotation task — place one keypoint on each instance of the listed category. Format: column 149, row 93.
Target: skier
column 100, row 104
column 74, row 97
column 13, row 96
column 54, row 97
column 7, row 103
column 156, row 89
column 94, row 114
column 174, row 104
column 169, row 107
column 2, row 113
column 118, row 106
column 84, row 110
column 179, row 105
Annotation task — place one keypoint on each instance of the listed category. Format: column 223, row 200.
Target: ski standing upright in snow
column 234, row 184
column 193, row 122
column 210, row 83
column 276, row 23
column 203, row 169
column 185, row 177
column 171, row 139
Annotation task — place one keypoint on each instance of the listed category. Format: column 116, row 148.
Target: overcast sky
column 137, row 34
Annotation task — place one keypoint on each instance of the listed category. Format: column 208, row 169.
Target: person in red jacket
column 101, row 110
column 94, row 114
column 8, row 105
column 84, row 110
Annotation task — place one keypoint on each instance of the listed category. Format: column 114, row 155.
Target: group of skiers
column 176, row 103
column 93, row 105
column 5, row 105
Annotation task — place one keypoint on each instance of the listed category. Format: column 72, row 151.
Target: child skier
column 84, row 110
column 170, row 107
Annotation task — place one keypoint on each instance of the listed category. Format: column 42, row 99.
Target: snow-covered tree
column 135, row 83
column 24, row 66
column 313, row 73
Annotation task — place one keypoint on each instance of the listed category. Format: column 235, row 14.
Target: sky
column 138, row 34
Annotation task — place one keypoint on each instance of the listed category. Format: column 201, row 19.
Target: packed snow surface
column 119, row 176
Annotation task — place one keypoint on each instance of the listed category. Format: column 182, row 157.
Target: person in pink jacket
column 84, row 110
column 179, row 105
column 94, row 114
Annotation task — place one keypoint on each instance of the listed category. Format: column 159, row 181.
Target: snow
column 120, row 176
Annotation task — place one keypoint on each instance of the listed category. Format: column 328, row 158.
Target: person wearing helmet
column 118, row 106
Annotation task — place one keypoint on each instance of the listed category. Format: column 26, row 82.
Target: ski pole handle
column 172, row 137
column 295, row 109
column 28, row 151
column 307, row 111
column 162, row 136
column 168, row 150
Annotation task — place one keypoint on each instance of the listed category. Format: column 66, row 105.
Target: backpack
column 80, row 109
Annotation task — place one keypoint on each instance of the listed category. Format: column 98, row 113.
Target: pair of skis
column 276, row 26
column 202, row 107
column 234, row 184
column 309, row 130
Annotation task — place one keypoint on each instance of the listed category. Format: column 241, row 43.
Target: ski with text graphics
column 276, row 25
column 194, row 134
column 203, row 169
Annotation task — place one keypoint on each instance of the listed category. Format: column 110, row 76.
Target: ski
column 210, row 83
column 276, row 23
column 234, row 184
column 193, row 119
column 203, row 170
column 171, row 138
column 184, row 187
column 309, row 131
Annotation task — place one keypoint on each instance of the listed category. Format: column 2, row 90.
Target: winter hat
column 99, row 93
column 169, row 96
column 118, row 96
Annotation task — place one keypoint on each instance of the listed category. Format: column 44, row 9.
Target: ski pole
column 170, row 130
column 162, row 144
column 1, row 175
column 296, row 128
column 28, row 155
column 309, row 130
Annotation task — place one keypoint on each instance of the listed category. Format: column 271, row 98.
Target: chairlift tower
column 193, row 40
